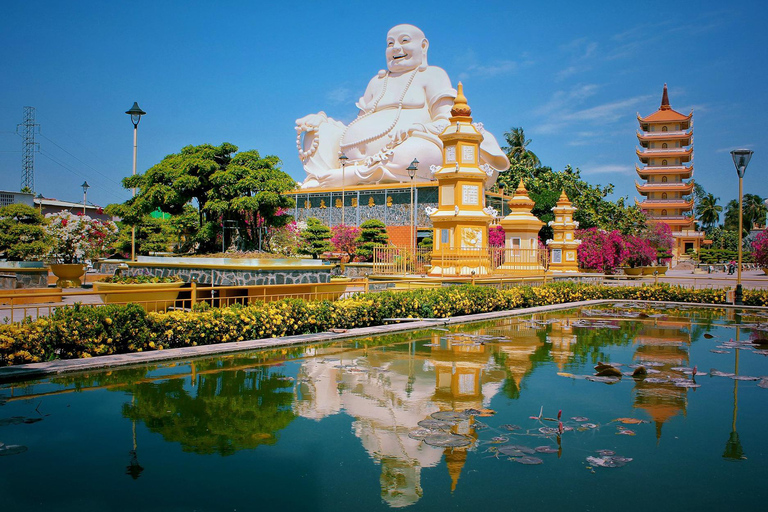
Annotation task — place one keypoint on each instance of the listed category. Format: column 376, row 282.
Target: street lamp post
column 343, row 160
column 85, row 186
column 412, row 172
column 135, row 112
column 741, row 159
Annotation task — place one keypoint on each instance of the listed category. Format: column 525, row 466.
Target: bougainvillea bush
column 496, row 236
column 659, row 235
column 760, row 248
column 601, row 250
column 344, row 238
column 639, row 251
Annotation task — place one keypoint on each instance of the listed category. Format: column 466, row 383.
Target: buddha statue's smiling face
column 406, row 48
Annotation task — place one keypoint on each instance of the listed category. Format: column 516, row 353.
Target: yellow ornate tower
column 666, row 140
column 563, row 245
column 521, row 236
column 461, row 221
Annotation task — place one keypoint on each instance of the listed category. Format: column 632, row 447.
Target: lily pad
column 444, row 439
column 580, row 419
column 420, row 434
column 546, row 449
column 436, row 424
column 604, row 380
column 510, row 427
column 452, row 416
column 686, row 384
column 524, row 449
column 510, row 450
column 614, row 461
column 12, row 449
column 528, row 461
column 605, row 453
column 744, row 377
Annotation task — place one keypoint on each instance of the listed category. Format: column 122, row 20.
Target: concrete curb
column 38, row 370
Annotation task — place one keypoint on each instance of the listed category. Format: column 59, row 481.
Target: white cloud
column 340, row 95
column 606, row 169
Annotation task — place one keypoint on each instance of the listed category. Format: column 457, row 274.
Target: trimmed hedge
column 85, row 331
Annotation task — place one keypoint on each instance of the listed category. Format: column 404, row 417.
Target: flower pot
column 150, row 296
column 648, row 270
column 69, row 274
column 661, row 269
column 633, row 271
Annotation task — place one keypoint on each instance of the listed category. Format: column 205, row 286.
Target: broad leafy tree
column 220, row 184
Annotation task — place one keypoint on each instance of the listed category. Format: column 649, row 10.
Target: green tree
column 517, row 149
column 373, row 232
column 724, row 238
column 708, row 211
column 753, row 212
column 22, row 236
column 593, row 209
column 219, row 184
column 316, row 238
column 152, row 235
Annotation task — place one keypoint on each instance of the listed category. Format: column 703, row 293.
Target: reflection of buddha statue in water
column 402, row 112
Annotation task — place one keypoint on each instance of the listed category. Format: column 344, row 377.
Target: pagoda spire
column 665, row 100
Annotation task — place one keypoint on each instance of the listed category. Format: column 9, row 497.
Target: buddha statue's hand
column 398, row 136
column 310, row 122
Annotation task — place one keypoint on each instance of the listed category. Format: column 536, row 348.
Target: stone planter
column 150, row 296
column 648, row 270
column 633, row 271
column 661, row 269
column 69, row 274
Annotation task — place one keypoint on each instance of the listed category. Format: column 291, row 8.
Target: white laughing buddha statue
column 402, row 112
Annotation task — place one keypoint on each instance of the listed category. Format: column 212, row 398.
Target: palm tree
column 517, row 149
column 708, row 211
column 753, row 212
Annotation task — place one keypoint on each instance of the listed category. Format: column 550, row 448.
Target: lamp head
column 343, row 158
column 741, row 159
column 413, row 168
column 85, row 186
column 135, row 112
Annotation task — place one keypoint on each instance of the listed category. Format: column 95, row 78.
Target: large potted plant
column 151, row 292
column 68, row 233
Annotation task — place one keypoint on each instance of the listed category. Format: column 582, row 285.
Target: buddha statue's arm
column 439, row 95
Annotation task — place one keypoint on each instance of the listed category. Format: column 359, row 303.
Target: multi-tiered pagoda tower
column 666, row 152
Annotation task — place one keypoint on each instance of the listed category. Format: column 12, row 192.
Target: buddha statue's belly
column 369, row 134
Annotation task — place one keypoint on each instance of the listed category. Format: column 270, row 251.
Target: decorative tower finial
column 665, row 99
column 460, row 107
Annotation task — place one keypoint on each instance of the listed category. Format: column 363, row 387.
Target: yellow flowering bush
column 85, row 331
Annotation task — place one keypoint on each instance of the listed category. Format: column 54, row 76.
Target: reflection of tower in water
column 665, row 342
column 389, row 392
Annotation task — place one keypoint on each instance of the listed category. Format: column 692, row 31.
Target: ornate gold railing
column 486, row 261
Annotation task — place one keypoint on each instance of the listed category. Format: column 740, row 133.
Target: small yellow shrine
column 461, row 220
column 521, row 236
column 563, row 245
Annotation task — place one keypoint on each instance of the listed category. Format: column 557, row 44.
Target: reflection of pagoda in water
column 389, row 392
column 519, row 355
column 562, row 340
column 665, row 342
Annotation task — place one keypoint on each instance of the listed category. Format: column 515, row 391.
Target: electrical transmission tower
column 27, row 130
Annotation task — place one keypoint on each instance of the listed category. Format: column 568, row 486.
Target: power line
column 73, row 171
column 84, row 163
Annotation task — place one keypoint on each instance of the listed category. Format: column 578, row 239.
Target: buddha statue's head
column 406, row 48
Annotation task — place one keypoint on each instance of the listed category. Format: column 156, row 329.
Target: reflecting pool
column 506, row 414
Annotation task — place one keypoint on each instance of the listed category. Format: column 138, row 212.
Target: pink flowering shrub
column 760, row 248
column 496, row 236
column 343, row 238
column 639, row 251
column 659, row 235
column 600, row 250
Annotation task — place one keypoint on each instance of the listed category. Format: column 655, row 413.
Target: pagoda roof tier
column 672, row 220
column 670, row 170
column 674, row 135
column 680, row 186
column 658, row 204
column 681, row 153
column 665, row 116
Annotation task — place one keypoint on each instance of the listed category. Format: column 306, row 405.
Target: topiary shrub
column 373, row 232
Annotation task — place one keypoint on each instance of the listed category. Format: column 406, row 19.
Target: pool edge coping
column 23, row 372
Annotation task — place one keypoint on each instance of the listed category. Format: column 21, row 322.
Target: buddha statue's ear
column 424, row 48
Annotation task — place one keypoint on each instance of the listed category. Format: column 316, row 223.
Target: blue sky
column 572, row 74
